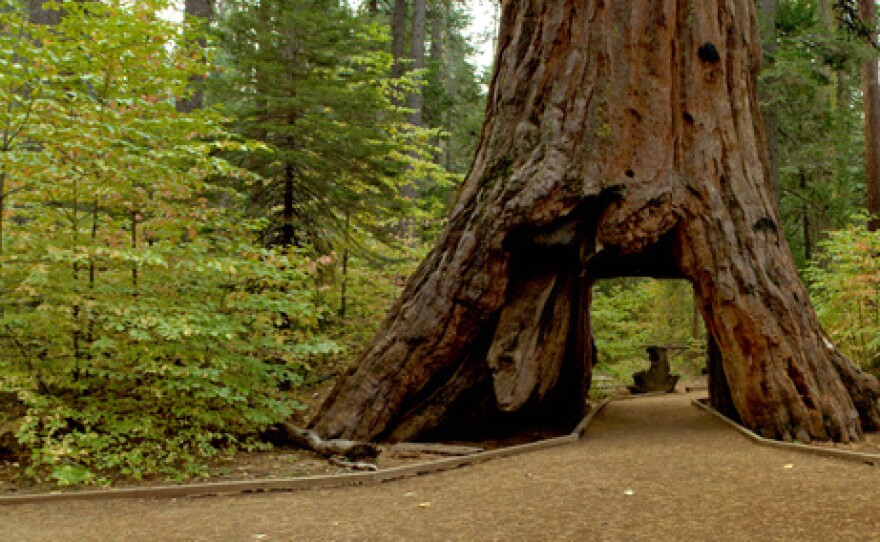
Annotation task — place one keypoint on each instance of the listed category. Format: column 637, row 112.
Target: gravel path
column 650, row 469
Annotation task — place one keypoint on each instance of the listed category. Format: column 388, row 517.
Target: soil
column 263, row 465
column 289, row 462
column 870, row 444
column 649, row 469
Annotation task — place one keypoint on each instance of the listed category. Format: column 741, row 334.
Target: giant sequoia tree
column 622, row 138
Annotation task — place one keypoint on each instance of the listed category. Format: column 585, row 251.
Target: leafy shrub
column 844, row 283
column 141, row 328
column 188, row 368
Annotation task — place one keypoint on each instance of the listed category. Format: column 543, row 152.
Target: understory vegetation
column 174, row 277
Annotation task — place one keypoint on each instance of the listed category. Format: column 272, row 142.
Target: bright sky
column 483, row 29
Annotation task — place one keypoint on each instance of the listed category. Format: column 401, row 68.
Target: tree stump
column 622, row 138
column 658, row 377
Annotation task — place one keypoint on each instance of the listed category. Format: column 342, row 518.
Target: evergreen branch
column 851, row 21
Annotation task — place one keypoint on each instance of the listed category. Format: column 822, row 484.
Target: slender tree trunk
column 343, row 289
column 287, row 233
column 806, row 227
column 767, row 10
column 134, row 245
column 416, row 99
column 2, row 231
column 871, row 97
column 438, row 23
column 438, row 65
column 398, row 37
column 373, row 7
column 37, row 14
column 446, row 115
column 622, row 138
column 202, row 11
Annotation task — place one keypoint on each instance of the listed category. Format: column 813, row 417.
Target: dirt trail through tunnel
column 690, row 478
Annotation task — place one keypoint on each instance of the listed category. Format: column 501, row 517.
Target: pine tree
column 309, row 79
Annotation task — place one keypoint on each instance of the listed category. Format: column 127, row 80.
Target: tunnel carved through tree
column 622, row 138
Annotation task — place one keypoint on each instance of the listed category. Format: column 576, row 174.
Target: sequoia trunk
column 621, row 138
column 871, row 108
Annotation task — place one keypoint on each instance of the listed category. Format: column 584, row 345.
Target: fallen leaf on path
column 424, row 504
column 629, row 492
column 788, row 466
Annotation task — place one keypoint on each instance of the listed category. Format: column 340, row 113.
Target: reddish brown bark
column 622, row 138
column 871, row 106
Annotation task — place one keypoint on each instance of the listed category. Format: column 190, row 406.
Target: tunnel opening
column 634, row 314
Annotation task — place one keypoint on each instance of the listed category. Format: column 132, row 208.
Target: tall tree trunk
column 398, row 37
column 767, row 10
column 416, row 99
column 287, row 232
column 437, row 17
column 446, row 120
column 871, row 96
column 202, row 11
column 806, row 226
column 37, row 14
column 622, row 138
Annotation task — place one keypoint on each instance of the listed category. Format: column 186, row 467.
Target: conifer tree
column 309, row 79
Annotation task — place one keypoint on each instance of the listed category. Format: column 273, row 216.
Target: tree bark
column 202, row 11
column 39, row 15
column 416, row 99
column 437, row 16
column 398, row 37
column 806, row 225
column 871, row 106
column 287, row 232
column 622, row 138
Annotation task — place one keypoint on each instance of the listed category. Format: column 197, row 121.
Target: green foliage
column 144, row 325
column 454, row 95
column 309, row 79
column 358, row 298
column 630, row 314
column 845, row 288
column 811, row 86
column 140, row 326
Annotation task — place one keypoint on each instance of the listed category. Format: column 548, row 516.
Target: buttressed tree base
column 622, row 138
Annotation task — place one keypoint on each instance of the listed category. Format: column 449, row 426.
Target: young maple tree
column 139, row 319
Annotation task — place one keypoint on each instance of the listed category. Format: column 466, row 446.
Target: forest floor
column 649, row 469
column 275, row 463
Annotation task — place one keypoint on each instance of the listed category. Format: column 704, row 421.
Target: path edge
column 301, row 483
column 848, row 455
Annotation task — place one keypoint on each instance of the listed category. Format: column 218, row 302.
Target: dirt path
column 690, row 478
